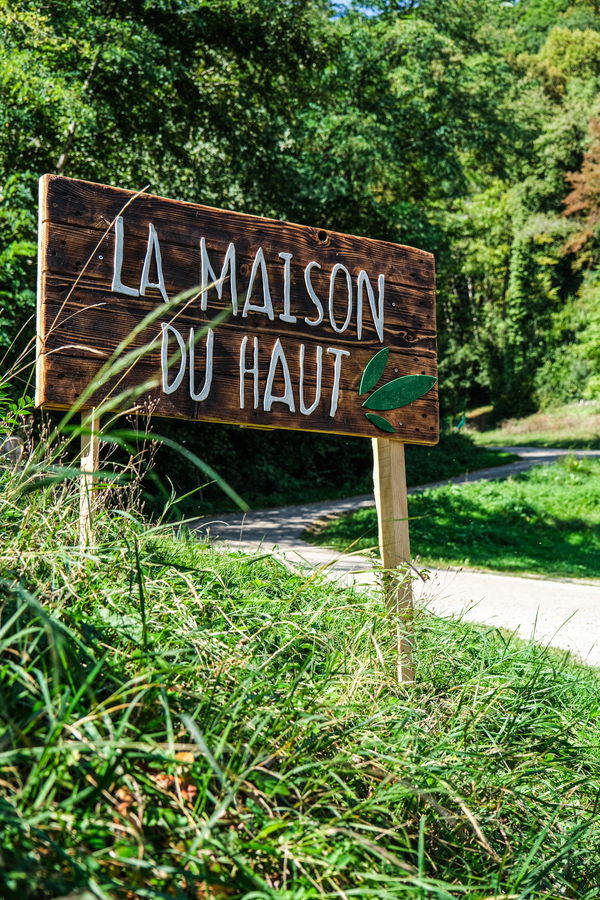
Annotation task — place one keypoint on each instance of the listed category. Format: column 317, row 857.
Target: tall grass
column 179, row 722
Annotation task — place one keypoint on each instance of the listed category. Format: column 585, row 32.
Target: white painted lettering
column 207, row 270
column 337, row 371
column 312, row 295
column 208, row 368
column 244, row 371
column 117, row 284
column 363, row 281
column 340, row 268
column 153, row 248
column 267, row 307
column 286, row 316
column 164, row 359
column 288, row 398
column 306, row 411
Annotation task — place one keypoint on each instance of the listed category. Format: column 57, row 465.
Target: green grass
column 178, row 722
column 570, row 427
column 545, row 521
column 456, row 454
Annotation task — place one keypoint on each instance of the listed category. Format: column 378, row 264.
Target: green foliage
column 512, row 272
column 18, row 224
column 532, row 20
column 574, row 369
column 546, row 521
column 180, row 722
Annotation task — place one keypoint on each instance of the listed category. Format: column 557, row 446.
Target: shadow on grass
column 450, row 528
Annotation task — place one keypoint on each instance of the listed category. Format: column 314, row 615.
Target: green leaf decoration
column 380, row 422
column 374, row 370
column 400, row 392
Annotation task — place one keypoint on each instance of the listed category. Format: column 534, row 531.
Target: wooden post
column 90, row 457
column 389, row 476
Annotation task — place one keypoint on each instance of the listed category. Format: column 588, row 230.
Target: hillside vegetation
column 180, row 722
column 282, row 468
column 573, row 426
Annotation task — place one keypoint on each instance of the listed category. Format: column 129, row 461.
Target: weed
column 181, row 722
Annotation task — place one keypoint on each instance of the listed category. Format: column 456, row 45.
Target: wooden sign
column 325, row 331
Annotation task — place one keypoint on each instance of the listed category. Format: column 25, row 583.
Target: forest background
column 469, row 128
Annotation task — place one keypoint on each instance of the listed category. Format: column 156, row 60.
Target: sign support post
column 90, row 458
column 317, row 331
column 389, row 478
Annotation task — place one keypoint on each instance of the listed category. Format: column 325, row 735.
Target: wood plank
column 68, row 376
column 389, row 478
column 227, row 350
column 82, row 321
column 70, row 247
column 101, row 316
column 84, row 204
column 409, row 313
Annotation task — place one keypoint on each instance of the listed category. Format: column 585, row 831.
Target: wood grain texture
column 77, row 337
column 389, row 480
column 90, row 461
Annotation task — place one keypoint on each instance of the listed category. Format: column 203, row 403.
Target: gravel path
column 565, row 613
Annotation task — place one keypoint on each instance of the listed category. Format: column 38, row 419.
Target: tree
column 448, row 126
column 191, row 98
column 585, row 196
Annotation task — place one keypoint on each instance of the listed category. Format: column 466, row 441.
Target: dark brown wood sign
column 325, row 331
